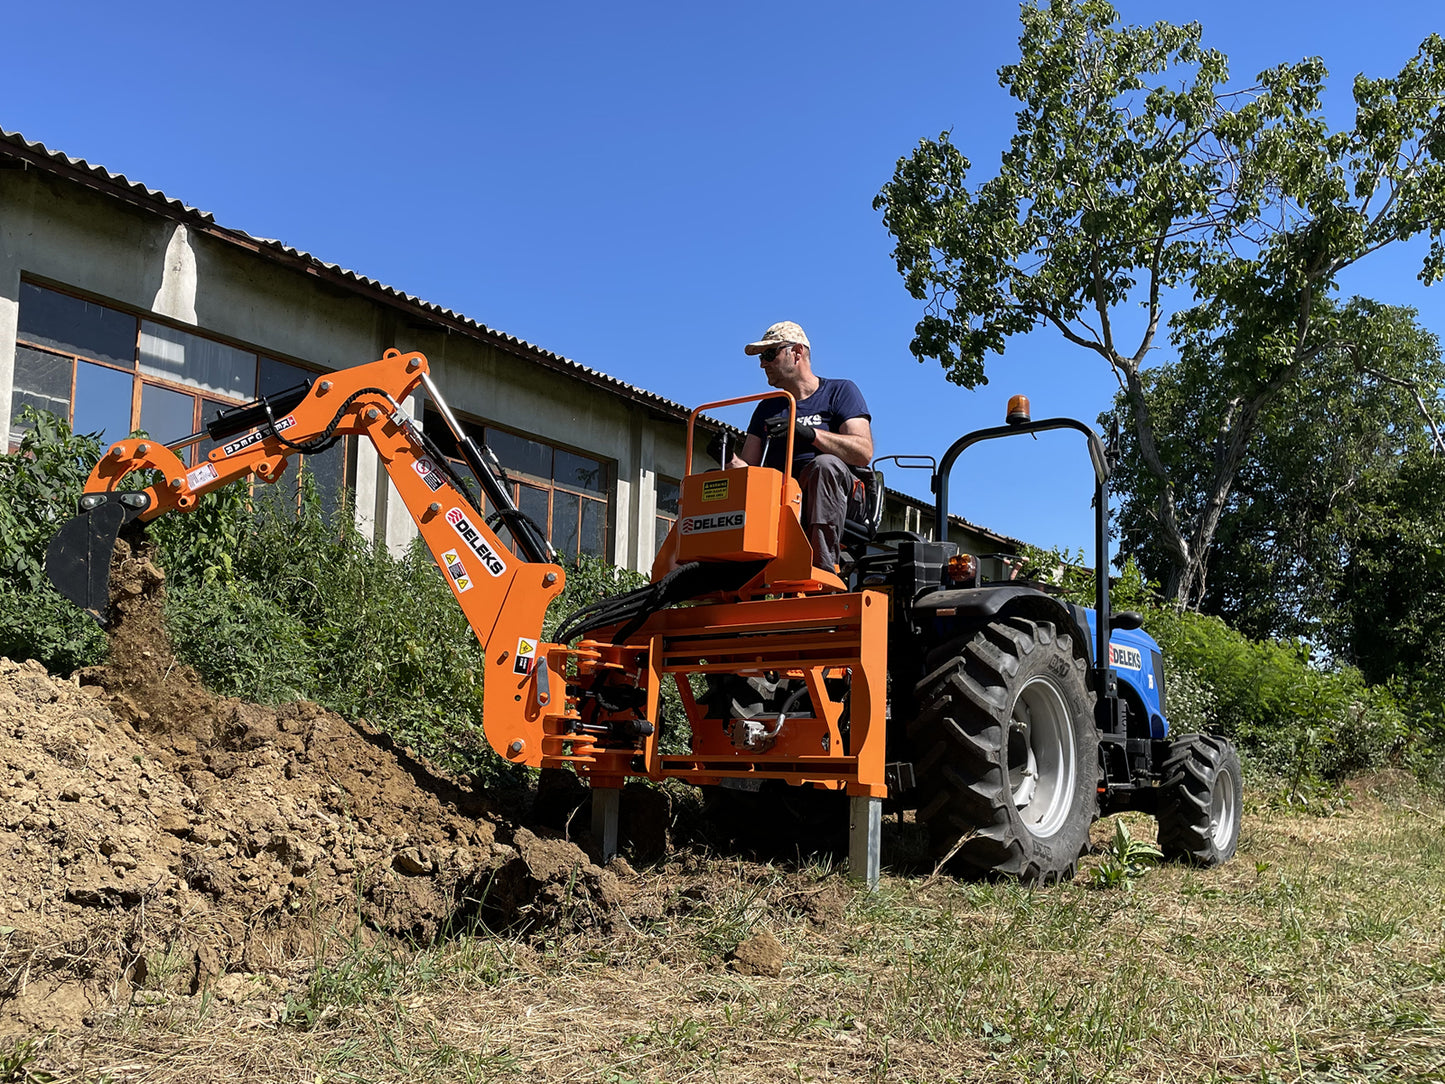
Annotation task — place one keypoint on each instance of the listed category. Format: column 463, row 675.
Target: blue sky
column 642, row 187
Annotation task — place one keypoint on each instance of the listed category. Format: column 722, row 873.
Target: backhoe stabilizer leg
column 865, row 838
column 78, row 557
column 606, row 813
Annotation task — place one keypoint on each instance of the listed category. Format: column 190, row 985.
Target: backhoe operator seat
column 865, row 507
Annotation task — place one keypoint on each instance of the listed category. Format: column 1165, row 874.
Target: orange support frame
column 791, row 618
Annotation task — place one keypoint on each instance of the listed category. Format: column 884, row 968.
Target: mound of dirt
column 155, row 836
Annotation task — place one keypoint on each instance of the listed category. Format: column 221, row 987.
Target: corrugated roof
column 15, row 145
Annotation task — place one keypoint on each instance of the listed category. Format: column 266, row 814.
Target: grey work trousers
column 827, row 484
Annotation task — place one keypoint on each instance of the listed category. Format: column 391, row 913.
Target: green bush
column 40, row 484
column 1292, row 713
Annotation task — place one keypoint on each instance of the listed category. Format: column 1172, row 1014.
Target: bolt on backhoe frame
column 738, row 546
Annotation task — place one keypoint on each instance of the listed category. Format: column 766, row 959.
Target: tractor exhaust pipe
column 78, row 558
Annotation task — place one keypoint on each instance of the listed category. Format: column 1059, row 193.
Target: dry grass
column 1317, row 955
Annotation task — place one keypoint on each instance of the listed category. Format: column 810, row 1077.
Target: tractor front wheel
column 1200, row 800
column 1007, row 754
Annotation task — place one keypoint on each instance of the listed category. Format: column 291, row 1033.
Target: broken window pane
column 278, row 376
column 42, row 380
column 564, row 522
column 594, row 533
column 520, row 454
column 579, row 472
column 209, row 409
column 184, row 358
column 48, row 318
column 533, row 502
column 328, row 470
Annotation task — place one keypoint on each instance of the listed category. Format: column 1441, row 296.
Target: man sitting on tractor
column 832, row 434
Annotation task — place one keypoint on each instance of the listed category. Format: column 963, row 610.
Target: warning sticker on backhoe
column 429, row 473
column 715, row 489
column 457, row 571
column 475, row 542
column 201, row 475
column 526, row 656
column 722, row 521
column 1125, row 658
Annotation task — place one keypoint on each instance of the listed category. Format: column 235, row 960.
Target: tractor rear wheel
column 1200, row 800
column 1006, row 753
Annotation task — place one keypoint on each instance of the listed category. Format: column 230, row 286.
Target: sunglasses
column 773, row 351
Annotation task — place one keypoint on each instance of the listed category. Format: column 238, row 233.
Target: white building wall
column 59, row 233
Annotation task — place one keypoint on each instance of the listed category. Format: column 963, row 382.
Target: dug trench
column 155, row 837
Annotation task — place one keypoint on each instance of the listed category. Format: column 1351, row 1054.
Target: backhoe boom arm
column 503, row 596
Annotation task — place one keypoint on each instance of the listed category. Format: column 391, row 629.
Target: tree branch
column 1414, row 386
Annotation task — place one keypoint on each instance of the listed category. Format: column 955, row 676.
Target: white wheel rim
column 1041, row 758
column 1223, row 811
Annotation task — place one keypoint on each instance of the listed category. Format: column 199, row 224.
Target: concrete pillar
column 9, row 321
column 624, row 511
column 11, row 221
column 400, row 528
column 369, row 473
column 646, row 502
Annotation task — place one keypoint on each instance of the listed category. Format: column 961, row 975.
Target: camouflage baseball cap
column 781, row 334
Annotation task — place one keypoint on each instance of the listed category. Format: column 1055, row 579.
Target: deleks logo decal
column 722, row 521
column 1125, row 658
column 475, row 542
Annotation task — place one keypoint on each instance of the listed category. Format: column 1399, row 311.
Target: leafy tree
column 1391, row 592
column 1323, row 451
column 1121, row 188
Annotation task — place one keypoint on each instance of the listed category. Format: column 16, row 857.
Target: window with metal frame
column 111, row 372
column 566, row 493
column 668, row 494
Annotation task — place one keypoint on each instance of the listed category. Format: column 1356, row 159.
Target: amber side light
column 1018, row 410
column 962, row 567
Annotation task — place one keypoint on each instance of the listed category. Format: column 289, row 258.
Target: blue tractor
column 1013, row 722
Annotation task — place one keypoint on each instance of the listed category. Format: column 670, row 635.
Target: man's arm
column 853, row 443
column 750, row 456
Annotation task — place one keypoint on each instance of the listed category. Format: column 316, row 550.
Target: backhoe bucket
column 78, row 558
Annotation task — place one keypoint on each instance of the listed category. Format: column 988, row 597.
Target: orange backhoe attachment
column 737, row 555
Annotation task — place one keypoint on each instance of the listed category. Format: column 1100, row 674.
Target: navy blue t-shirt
column 828, row 408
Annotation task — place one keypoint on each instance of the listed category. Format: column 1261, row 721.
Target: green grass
column 1316, row 955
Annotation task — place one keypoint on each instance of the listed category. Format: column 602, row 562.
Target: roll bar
column 1100, row 459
